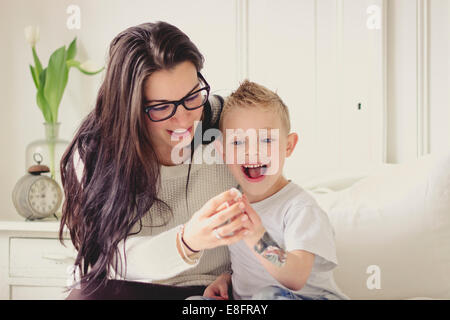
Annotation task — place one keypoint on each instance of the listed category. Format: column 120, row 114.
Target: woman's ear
column 292, row 140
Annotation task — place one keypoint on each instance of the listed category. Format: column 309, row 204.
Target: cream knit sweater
column 152, row 255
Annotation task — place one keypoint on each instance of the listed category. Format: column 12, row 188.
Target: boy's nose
column 251, row 145
column 251, row 152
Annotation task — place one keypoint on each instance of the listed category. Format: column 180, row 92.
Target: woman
column 142, row 222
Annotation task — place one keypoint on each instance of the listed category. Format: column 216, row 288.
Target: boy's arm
column 293, row 272
column 291, row 269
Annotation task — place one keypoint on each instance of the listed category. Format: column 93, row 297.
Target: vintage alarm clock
column 37, row 196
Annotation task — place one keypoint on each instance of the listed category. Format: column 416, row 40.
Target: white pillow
column 335, row 182
column 397, row 219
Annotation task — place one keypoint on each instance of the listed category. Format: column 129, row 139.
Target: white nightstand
column 33, row 263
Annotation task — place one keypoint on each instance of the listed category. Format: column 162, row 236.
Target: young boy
column 289, row 251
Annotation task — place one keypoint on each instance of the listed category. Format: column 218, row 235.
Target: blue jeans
column 278, row 293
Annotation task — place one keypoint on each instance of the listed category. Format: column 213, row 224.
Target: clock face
column 44, row 197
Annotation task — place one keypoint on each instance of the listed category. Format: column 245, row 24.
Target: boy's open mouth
column 254, row 171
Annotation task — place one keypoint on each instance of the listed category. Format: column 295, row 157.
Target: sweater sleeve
column 150, row 258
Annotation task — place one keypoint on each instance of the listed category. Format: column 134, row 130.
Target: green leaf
column 42, row 78
column 35, row 76
column 37, row 62
column 43, row 105
column 72, row 50
column 40, row 98
column 56, row 80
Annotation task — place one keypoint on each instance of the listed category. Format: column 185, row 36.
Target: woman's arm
column 153, row 258
column 161, row 256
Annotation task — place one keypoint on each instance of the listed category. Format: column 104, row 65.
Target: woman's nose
column 181, row 115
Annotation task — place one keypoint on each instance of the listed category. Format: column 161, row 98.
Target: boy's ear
column 292, row 140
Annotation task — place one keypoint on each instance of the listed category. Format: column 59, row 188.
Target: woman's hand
column 218, row 289
column 199, row 231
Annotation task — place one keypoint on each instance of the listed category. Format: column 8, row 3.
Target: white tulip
column 32, row 35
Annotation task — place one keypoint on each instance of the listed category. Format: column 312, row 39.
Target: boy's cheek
column 234, row 157
column 234, row 169
column 274, row 166
column 265, row 158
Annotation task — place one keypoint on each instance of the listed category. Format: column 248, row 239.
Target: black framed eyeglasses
column 193, row 100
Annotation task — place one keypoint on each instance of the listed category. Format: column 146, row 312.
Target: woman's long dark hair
column 121, row 174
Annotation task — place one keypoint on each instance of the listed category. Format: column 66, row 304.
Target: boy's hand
column 255, row 227
column 218, row 289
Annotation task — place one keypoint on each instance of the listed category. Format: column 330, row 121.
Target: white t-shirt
column 295, row 221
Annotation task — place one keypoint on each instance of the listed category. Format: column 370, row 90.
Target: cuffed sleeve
column 152, row 258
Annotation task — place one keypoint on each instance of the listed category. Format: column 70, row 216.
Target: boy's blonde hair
column 251, row 95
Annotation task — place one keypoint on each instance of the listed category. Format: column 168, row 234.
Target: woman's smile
column 180, row 133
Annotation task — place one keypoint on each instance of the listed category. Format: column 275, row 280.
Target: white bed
column 392, row 228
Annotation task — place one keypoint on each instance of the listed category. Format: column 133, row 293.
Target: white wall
column 323, row 60
column 418, row 78
column 439, row 72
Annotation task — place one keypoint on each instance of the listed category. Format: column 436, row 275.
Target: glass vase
column 48, row 151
